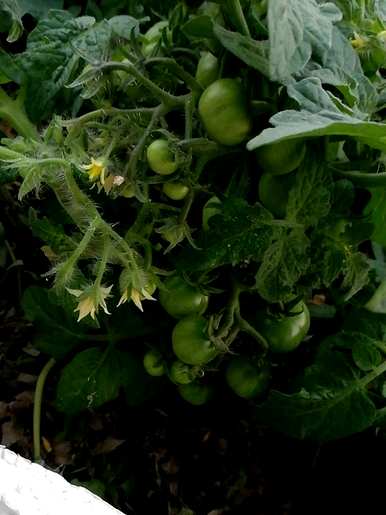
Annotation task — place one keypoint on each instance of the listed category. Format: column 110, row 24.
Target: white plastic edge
column 29, row 489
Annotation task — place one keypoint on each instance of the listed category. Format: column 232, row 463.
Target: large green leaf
column 239, row 234
column 57, row 330
column 91, row 379
column 334, row 404
column 297, row 29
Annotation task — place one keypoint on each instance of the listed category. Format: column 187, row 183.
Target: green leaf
column 356, row 274
column 284, row 262
column 241, row 233
column 199, row 27
column 57, row 330
column 365, row 355
column 124, row 26
column 94, row 44
column 297, row 29
column 320, row 115
column 253, row 53
column 334, row 403
column 90, row 380
column 52, row 234
column 309, row 199
column 49, row 60
column 376, row 210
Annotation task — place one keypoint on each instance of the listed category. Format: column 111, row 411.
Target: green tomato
column 207, row 69
column 152, row 37
column 223, row 109
column 191, row 343
column 285, row 333
column 209, row 210
column 196, row 393
column 372, row 60
column 247, row 378
column 174, row 235
column 180, row 299
column 281, row 158
column 181, row 373
column 154, row 363
column 160, row 158
column 175, row 190
column 273, row 192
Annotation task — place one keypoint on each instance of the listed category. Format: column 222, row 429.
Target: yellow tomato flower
column 136, row 296
column 96, row 169
column 90, row 300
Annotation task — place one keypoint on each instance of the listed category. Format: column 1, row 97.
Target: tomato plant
column 180, row 299
column 247, row 378
column 224, row 112
column 191, row 343
column 214, row 155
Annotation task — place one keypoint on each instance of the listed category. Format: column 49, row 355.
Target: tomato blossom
column 90, row 299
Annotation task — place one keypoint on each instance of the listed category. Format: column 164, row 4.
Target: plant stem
column 369, row 378
column 178, row 70
column 166, row 98
column 106, row 111
column 12, row 111
column 130, row 169
column 247, row 328
column 240, row 20
column 37, row 410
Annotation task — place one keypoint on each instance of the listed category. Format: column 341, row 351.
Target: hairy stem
column 166, row 98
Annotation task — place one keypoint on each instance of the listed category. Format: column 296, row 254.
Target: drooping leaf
column 57, row 331
column 333, row 404
column 253, row 53
column 91, row 379
column 321, row 114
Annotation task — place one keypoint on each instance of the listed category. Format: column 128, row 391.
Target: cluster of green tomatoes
column 195, row 352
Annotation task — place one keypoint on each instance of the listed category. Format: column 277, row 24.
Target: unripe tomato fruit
column 246, row 377
column 285, row 333
column 181, row 373
column 207, row 69
column 175, row 190
column 273, row 192
column 191, row 343
column 154, row 363
column 196, row 393
column 180, row 299
column 209, row 210
column 281, row 158
column 160, row 158
column 223, row 109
